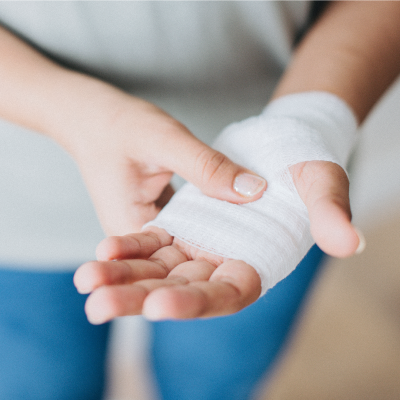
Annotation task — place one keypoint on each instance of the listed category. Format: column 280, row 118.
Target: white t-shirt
column 207, row 63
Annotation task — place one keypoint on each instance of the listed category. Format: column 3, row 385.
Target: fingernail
column 248, row 184
column 362, row 244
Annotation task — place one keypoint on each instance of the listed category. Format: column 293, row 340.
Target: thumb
column 212, row 172
column 324, row 188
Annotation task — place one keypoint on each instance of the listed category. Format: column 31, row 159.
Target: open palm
column 153, row 274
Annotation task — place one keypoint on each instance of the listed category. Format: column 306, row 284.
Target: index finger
column 134, row 245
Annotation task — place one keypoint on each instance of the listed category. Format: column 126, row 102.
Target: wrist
column 328, row 115
column 43, row 96
column 76, row 108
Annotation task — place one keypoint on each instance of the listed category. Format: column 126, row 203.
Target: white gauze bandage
column 271, row 234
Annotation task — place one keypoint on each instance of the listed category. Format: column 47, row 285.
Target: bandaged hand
column 219, row 257
column 273, row 234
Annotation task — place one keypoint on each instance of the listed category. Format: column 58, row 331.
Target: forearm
column 42, row 95
column 353, row 51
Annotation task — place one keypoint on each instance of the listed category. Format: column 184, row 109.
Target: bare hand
column 127, row 150
column 161, row 277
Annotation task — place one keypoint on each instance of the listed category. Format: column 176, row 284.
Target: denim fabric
column 225, row 358
column 48, row 350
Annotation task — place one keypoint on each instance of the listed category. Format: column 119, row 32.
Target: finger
column 94, row 274
column 108, row 302
column 121, row 300
column 232, row 286
column 324, row 188
column 193, row 270
column 136, row 245
column 211, row 171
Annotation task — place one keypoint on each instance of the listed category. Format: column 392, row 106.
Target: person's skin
column 352, row 51
column 127, row 149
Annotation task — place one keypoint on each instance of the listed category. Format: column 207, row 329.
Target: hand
column 127, row 150
column 161, row 277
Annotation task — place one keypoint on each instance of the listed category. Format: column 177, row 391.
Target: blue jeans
column 225, row 358
column 48, row 350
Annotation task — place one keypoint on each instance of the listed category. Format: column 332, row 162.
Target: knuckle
column 211, row 164
column 162, row 264
column 154, row 241
column 133, row 242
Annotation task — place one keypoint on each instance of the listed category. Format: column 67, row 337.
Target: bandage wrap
column 271, row 234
